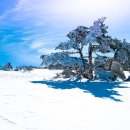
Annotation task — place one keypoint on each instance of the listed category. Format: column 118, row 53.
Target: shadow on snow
column 97, row 89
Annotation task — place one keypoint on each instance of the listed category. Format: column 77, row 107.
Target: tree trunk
column 90, row 49
column 82, row 58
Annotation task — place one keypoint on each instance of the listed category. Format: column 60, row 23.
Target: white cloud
column 61, row 16
column 37, row 44
column 42, row 48
column 70, row 11
column 46, row 51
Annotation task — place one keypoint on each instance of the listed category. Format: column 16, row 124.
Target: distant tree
column 0, row 67
column 8, row 67
column 25, row 68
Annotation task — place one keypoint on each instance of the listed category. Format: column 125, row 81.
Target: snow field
column 28, row 106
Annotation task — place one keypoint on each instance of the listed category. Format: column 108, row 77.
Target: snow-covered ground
column 32, row 101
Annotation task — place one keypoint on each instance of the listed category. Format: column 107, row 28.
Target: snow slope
column 32, row 101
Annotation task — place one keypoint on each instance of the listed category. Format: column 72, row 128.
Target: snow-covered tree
column 121, row 55
column 76, row 42
column 97, row 31
column 78, row 38
column 122, row 52
column 98, row 42
column 74, row 46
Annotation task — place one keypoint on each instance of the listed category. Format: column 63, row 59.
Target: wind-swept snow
column 32, row 101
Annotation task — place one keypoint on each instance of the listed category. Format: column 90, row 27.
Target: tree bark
column 90, row 49
column 82, row 58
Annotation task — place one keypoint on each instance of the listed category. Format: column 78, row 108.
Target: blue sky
column 29, row 28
